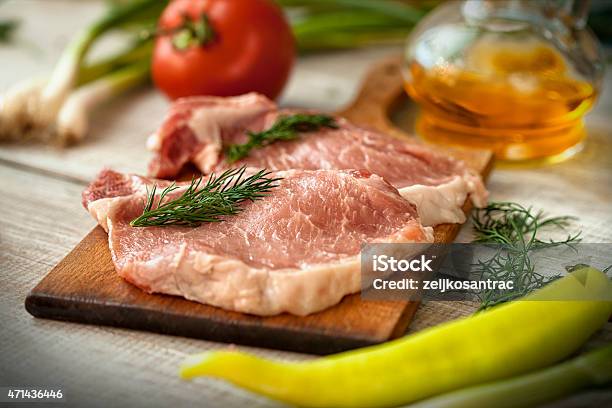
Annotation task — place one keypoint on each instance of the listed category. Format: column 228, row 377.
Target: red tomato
column 252, row 49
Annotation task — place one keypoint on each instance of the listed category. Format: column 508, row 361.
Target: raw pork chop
column 197, row 129
column 296, row 250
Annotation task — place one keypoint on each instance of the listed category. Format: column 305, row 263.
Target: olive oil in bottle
column 511, row 76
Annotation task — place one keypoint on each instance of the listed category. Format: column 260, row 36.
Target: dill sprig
column 206, row 201
column 514, row 229
column 285, row 128
column 510, row 223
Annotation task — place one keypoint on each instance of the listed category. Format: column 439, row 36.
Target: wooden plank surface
column 85, row 288
column 42, row 219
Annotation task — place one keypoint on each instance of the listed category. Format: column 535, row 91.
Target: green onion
column 31, row 108
column 345, row 29
column 588, row 370
column 395, row 9
column 139, row 51
column 73, row 118
column 333, row 24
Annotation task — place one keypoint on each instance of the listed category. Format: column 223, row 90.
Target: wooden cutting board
column 85, row 288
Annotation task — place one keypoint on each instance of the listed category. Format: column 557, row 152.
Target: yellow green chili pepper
column 593, row 369
column 539, row 330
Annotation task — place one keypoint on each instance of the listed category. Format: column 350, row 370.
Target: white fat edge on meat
column 443, row 203
column 429, row 233
column 208, row 121
column 264, row 291
column 99, row 211
column 100, row 208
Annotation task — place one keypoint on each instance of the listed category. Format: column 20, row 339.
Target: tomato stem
column 192, row 33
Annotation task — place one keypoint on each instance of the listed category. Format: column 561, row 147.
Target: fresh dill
column 285, row 128
column 207, row 201
column 514, row 229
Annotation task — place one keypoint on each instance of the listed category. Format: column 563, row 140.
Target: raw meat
column 195, row 128
column 437, row 184
column 296, row 250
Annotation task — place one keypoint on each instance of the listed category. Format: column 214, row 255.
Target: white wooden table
column 41, row 219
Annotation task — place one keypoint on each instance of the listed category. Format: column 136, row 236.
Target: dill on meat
column 285, row 128
column 219, row 196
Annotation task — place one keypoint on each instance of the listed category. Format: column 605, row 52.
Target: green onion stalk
column 593, row 369
column 339, row 24
column 31, row 108
column 347, row 29
column 397, row 10
column 73, row 118
column 135, row 53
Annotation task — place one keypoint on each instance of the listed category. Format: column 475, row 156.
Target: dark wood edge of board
column 211, row 329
